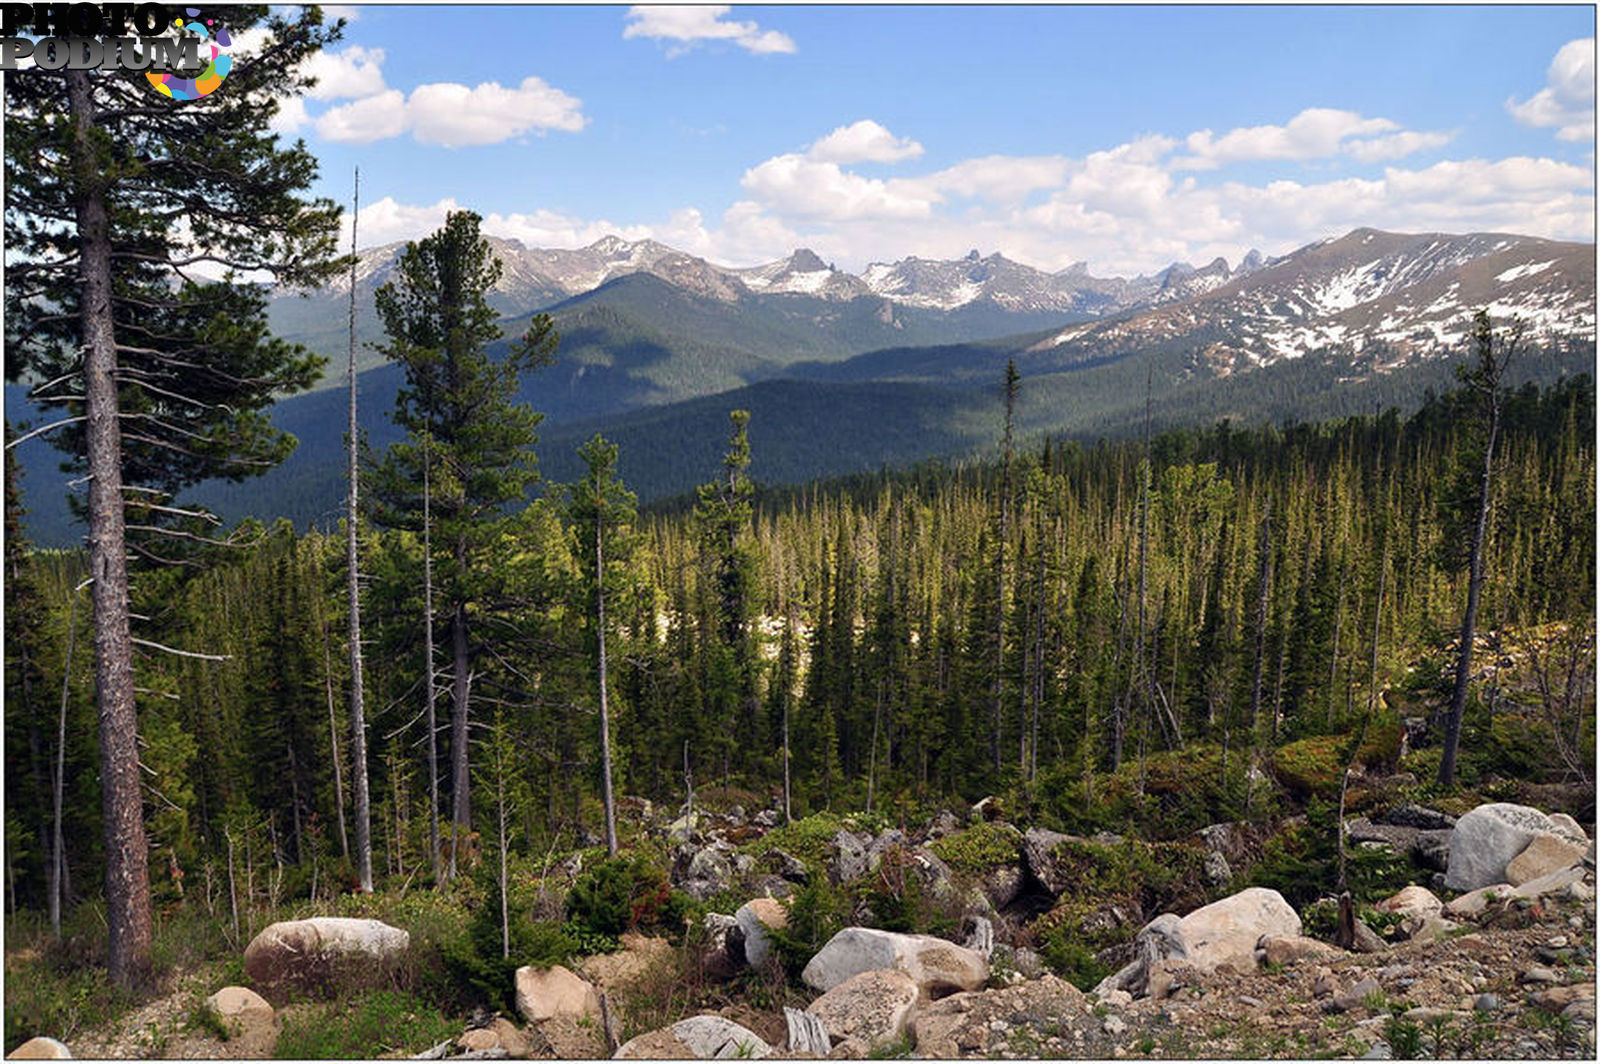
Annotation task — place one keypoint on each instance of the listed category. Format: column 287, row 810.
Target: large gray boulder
column 756, row 918
column 938, row 967
column 697, row 1038
column 867, row 1011
column 847, row 859
column 1038, row 850
column 1224, row 932
column 324, row 956
column 1487, row 839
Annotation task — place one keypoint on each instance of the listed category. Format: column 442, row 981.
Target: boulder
column 543, row 993
column 1227, row 931
column 1412, row 900
column 1417, row 816
column 1554, row 883
column 870, row 1009
column 703, row 872
column 697, row 1038
column 966, row 1024
column 725, row 946
column 1475, row 901
column 848, row 858
column 1038, row 852
column 755, row 918
column 1224, row 932
column 324, row 956
column 980, row 939
column 1286, row 949
column 1544, row 855
column 1216, row 869
column 40, row 1048
column 1002, row 885
column 786, row 865
column 249, row 1017
column 1487, row 839
column 882, row 844
column 1569, row 829
column 938, row 967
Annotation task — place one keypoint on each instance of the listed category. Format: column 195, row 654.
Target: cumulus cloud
column 863, row 142
column 1567, row 101
column 797, row 185
column 451, row 115
column 686, row 26
column 1315, row 133
column 351, row 74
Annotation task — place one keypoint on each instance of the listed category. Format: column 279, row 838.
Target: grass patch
column 381, row 1022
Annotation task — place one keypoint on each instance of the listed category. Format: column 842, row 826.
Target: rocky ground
column 1518, row 981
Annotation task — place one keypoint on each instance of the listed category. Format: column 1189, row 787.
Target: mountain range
column 845, row 373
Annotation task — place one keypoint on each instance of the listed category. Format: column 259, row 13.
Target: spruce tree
column 459, row 409
column 114, row 195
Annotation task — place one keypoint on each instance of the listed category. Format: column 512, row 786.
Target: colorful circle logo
column 216, row 68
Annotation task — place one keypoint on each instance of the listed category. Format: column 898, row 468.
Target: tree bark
column 127, row 858
column 1469, row 620
column 459, row 782
column 358, row 724
column 600, row 620
column 427, row 644
column 58, row 780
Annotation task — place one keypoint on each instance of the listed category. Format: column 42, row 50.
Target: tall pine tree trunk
column 1487, row 377
column 127, row 859
column 460, row 682
column 600, row 620
column 358, row 724
column 427, row 650
column 58, row 779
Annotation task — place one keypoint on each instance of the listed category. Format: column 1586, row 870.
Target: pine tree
column 459, row 411
column 1485, row 387
column 164, row 379
column 604, row 512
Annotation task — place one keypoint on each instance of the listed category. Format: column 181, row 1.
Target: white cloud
column 452, row 116
column 1396, row 145
column 1567, row 101
column 794, row 184
column 352, row 74
column 863, row 142
column 374, row 118
column 1315, row 133
column 689, row 25
column 291, row 115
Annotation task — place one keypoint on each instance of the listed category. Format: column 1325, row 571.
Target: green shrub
column 1311, row 767
column 1072, row 960
column 808, row 839
column 816, row 913
column 624, row 894
column 380, row 1023
column 981, row 846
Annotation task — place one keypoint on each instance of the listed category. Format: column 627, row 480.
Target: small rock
column 1380, row 1051
column 1537, row 974
column 479, row 1038
column 1323, row 984
column 1114, row 1026
column 1354, row 997
column 1487, row 1003
column 1117, row 999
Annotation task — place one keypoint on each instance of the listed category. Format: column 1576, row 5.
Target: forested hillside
column 929, row 636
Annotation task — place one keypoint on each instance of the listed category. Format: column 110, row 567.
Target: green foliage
column 1311, row 767
column 981, row 846
column 622, row 894
column 1404, row 1038
column 204, row 1017
column 807, row 838
column 379, row 1023
column 817, row 912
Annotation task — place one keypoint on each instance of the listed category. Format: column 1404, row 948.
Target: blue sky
column 1126, row 137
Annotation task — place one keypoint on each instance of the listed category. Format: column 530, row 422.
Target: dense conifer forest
column 1114, row 637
